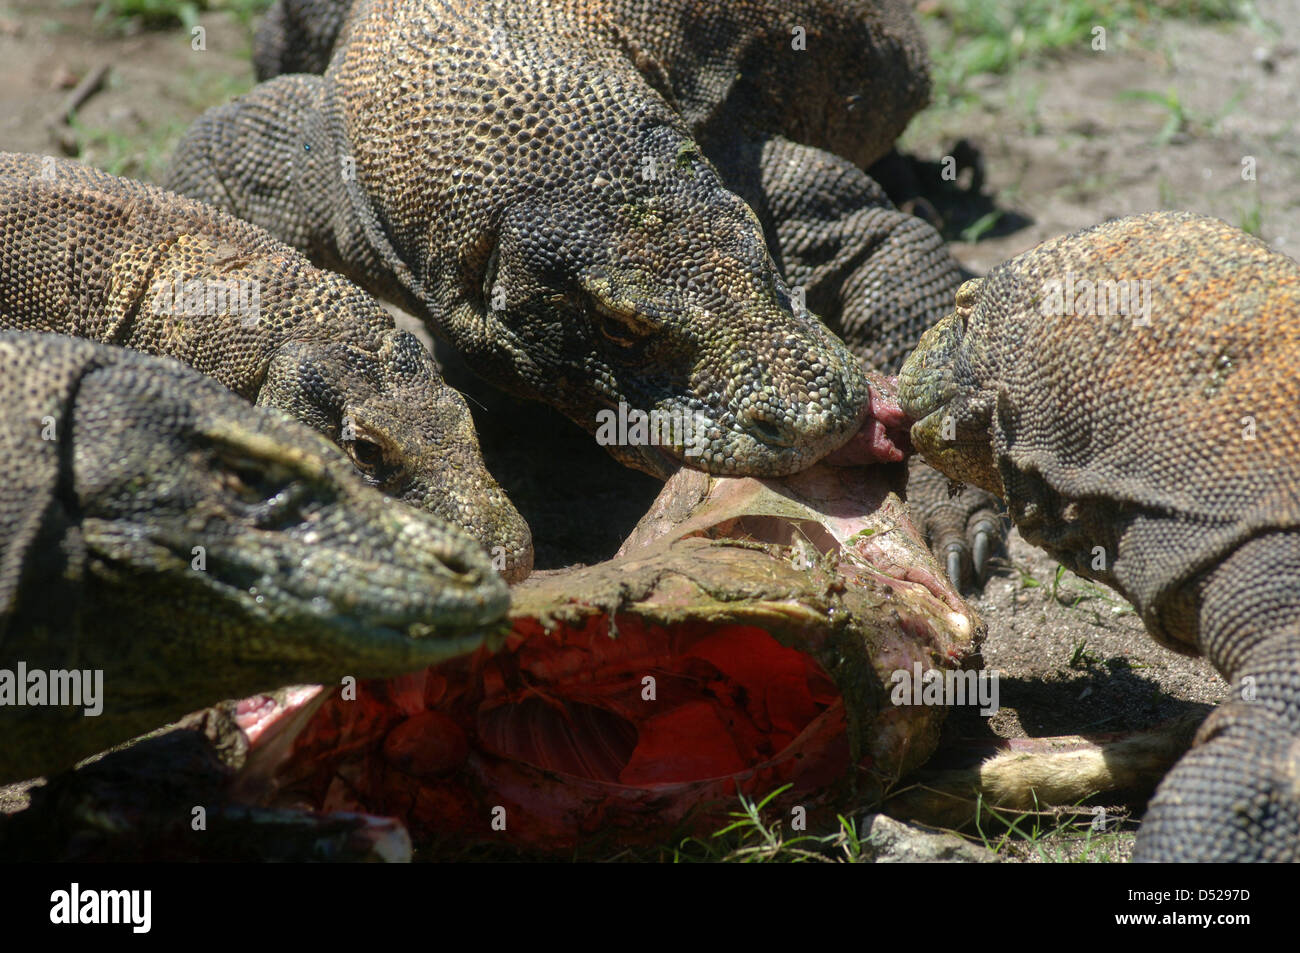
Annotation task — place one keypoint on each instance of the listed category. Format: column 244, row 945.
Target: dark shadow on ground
column 951, row 203
column 579, row 501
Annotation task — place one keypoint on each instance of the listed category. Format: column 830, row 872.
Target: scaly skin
column 1155, row 451
column 96, row 256
column 156, row 528
column 556, row 161
column 532, row 194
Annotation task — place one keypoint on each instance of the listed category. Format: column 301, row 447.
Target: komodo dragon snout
column 157, row 529
column 951, row 420
column 666, row 302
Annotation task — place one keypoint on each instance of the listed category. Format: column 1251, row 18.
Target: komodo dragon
column 1131, row 391
column 156, row 529
column 556, row 188
column 96, row 256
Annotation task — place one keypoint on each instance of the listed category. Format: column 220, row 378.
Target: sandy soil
column 1066, row 145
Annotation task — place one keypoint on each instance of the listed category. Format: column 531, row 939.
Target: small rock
column 63, row 78
column 887, row 841
column 1267, row 57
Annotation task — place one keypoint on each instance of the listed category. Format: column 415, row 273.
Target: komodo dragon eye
column 253, row 481
column 366, row 454
column 622, row 327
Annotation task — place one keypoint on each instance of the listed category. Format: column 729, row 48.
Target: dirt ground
column 1062, row 142
column 1070, row 141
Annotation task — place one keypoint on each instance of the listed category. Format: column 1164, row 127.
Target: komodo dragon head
column 938, row 390
column 516, row 181
column 156, row 527
column 406, row 432
column 637, row 280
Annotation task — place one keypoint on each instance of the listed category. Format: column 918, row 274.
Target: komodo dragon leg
column 297, row 36
column 1235, row 796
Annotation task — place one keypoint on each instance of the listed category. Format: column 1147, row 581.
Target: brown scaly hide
column 1155, row 449
column 92, row 255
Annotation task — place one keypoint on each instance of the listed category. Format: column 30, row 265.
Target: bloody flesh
column 741, row 641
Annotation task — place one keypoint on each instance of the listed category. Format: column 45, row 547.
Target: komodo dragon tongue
column 743, row 639
column 883, row 437
column 176, row 546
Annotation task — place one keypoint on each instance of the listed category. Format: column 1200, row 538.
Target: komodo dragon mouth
column 743, row 639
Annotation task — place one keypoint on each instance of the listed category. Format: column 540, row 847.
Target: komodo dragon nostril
column 772, row 431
